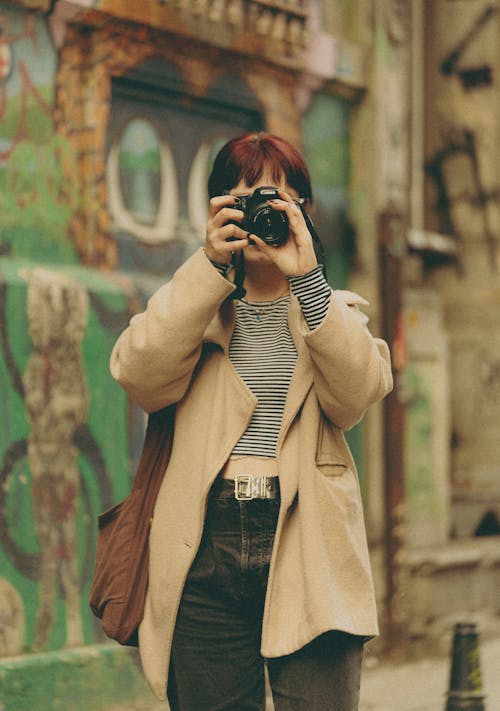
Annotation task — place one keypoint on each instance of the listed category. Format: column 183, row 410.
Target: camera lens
column 271, row 226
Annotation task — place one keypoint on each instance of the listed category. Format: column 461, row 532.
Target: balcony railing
column 274, row 30
column 282, row 22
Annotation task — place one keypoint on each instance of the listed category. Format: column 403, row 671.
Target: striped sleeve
column 313, row 292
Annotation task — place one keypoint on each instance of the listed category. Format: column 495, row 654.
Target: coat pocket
column 329, row 460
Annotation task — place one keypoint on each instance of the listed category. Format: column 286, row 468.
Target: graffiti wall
column 63, row 434
column 77, row 186
column 64, row 428
column 39, row 188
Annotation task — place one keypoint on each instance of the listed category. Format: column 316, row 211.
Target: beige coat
column 177, row 351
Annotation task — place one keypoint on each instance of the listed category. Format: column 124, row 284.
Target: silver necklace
column 260, row 310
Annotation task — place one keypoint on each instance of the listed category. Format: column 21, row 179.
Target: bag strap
column 156, row 449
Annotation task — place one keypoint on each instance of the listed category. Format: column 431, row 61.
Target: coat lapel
column 302, row 375
column 221, row 328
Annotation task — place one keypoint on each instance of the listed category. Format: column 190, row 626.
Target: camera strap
column 320, row 252
column 238, row 263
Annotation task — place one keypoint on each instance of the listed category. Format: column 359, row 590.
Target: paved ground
column 415, row 686
column 423, row 685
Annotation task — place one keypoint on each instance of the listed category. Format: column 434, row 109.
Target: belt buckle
column 241, row 494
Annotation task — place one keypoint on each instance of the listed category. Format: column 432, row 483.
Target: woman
column 258, row 552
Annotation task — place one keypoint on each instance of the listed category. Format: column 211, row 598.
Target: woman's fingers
column 220, row 201
column 223, row 233
column 221, row 241
column 224, row 215
column 292, row 210
column 297, row 224
column 262, row 246
column 233, row 245
column 229, row 234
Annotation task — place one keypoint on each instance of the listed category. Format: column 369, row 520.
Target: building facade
column 451, row 318
column 110, row 114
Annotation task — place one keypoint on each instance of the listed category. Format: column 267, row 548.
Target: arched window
column 142, row 183
column 161, row 141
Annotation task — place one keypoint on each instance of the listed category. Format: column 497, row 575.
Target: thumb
column 261, row 245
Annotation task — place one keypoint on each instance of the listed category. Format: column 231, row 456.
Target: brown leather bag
column 120, row 582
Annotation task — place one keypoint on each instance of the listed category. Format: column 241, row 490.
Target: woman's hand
column 217, row 246
column 296, row 256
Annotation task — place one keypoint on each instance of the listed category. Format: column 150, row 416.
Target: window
column 142, row 182
column 161, row 144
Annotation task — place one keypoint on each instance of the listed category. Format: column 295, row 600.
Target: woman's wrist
column 222, row 267
column 315, row 274
column 305, row 264
column 313, row 293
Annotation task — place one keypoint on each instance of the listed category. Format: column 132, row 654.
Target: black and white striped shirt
column 264, row 355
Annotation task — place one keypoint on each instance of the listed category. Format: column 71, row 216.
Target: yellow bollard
column 465, row 690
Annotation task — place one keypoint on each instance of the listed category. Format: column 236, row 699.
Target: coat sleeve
column 351, row 368
column 155, row 356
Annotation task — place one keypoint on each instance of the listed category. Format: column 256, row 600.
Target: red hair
column 248, row 156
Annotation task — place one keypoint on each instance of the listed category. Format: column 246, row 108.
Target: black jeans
column 216, row 663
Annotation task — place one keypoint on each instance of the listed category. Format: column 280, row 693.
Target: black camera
column 260, row 219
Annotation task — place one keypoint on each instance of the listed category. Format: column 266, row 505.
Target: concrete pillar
column 427, row 427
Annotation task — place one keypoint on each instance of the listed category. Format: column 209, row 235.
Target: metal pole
column 466, row 690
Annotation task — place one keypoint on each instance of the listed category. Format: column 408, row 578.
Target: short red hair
column 248, row 156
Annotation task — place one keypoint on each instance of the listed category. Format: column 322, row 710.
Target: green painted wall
column 64, row 452
column 326, row 147
column 102, row 461
column 87, row 679
column 327, row 150
column 39, row 187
